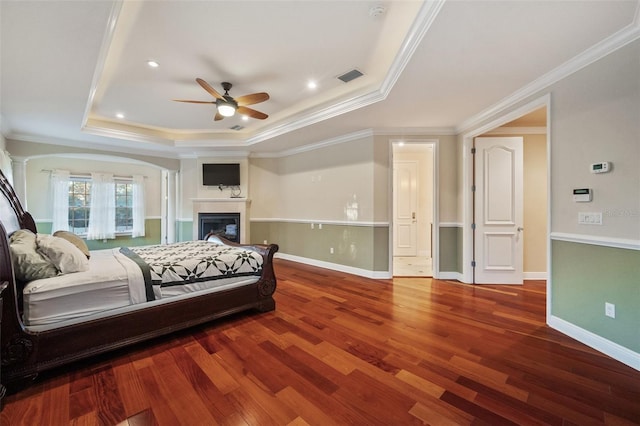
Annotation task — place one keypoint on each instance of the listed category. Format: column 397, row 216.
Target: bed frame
column 24, row 354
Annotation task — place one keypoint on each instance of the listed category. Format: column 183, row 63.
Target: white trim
column 467, row 178
column 598, row 51
column 376, row 275
column 107, row 39
column 622, row 243
column 431, row 131
column 425, row 17
column 451, row 225
column 184, row 219
column 220, row 200
column 535, row 276
column 321, row 222
column 518, row 131
column 435, row 236
column 612, row 349
column 51, row 220
column 311, row 147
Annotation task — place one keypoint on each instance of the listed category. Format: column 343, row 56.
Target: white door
column 404, row 208
column 498, row 210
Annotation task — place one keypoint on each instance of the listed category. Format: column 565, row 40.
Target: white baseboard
column 377, row 275
column 607, row 347
column 535, row 275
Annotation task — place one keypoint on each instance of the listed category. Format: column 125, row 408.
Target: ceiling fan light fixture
column 226, row 109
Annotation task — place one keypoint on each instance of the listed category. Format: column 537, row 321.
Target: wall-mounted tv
column 221, row 174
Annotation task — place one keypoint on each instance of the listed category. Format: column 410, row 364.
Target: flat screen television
column 221, row 174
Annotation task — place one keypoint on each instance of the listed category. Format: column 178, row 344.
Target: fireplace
column 226, row 225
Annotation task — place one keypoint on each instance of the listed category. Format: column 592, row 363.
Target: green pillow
column 28, row 263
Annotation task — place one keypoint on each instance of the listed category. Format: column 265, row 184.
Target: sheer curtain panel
column 60, row 189
column 102, row 219
column 138, row 206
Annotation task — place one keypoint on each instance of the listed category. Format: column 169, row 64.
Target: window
column 80, row 205
column 124, row 206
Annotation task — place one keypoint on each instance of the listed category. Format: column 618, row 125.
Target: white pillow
column 66, row 257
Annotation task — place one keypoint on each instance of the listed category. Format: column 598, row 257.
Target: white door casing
column 404, row 208
column 499, row 210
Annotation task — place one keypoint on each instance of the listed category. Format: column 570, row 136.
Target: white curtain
column 138, row 206
column 6, row 167
column 102, row 219
column 60, row 189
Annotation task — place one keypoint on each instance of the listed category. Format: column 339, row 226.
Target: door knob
column 520, row 229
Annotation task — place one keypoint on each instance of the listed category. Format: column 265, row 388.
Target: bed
column 108, row 299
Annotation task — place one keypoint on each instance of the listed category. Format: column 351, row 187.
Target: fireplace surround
column 225, row 206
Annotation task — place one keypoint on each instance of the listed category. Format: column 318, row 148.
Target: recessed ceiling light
column 153, row 64
column 245, row 118
column 312, row 84
column 120, row 115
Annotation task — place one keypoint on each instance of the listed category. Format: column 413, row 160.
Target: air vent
column 350, row 75
column 237, row 127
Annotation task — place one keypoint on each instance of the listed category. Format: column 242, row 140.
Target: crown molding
column 311, row 147
column 598, row 51
column 540, row 130
column 107, row 39
column 426, row 15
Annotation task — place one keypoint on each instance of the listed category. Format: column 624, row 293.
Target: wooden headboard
column 12, row 215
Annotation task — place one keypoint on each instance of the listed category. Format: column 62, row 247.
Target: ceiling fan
column 227, row 106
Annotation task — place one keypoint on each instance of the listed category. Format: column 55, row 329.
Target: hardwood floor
column 341, row 349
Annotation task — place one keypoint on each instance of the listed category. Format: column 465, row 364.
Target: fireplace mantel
column 223, row 205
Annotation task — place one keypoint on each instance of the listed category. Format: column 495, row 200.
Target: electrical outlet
column 610, row 309
column 264, row 242
column 331, row 250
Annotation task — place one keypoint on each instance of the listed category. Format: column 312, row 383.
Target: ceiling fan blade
column 251, row 113
column 194, row 102
column 254, row 98
column 218, row 117
column 206, row 86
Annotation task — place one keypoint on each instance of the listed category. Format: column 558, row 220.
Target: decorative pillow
column 75, row 240
column 63, row 254
column 28, row 264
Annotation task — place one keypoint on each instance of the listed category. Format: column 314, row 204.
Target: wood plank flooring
column 345, row 350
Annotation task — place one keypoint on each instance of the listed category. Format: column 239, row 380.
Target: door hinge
column 473, row 226
column 473, row 263
column 473, row 150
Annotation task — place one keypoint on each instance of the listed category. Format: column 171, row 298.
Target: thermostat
column 582, row 195
column 602, row 167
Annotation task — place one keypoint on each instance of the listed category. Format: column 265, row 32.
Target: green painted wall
column 184, row 230
column 584, row 277
column 451, row 249
column 364, row 247
column 152, row 232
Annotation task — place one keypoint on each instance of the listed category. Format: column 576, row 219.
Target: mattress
column 104, row 286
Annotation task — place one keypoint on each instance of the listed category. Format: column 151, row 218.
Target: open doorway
column 531, row 125
column 414, row 189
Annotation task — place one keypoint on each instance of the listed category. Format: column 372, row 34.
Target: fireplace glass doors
column 225, row 225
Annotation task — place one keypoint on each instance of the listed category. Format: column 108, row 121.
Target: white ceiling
column 67, row 67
